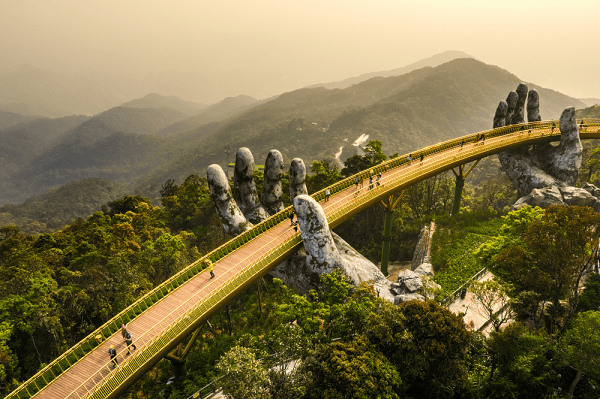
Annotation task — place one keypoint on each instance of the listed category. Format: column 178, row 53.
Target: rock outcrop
column 415, row 284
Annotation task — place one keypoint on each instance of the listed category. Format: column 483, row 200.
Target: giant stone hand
column 544, row 165
column 239, row 216
column 323, row 250
column 543, row 174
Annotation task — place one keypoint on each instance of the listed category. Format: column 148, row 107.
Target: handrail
column 185, row 314
column 394, row 180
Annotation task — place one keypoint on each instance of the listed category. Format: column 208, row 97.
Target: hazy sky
column 548, row 42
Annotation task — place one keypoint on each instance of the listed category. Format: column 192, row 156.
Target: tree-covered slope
column 590, row 112
column 24, row 141
column 8, row 119
column 119, row 144
column 228, row 108
column 404, row 112
column 65, row 204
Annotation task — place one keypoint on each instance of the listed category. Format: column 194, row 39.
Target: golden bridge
column 175, row 309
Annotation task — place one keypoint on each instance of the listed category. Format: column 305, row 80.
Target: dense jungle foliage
column 58, row 287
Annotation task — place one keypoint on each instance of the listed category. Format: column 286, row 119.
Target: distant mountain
column 158, row 101
column 139, row 120
column 63, row 205
column 8, row 119
column 590, row 101
column 458, row 98
column 23, row 142
column 432, row 61
column 119, row 144
column 225, row 109
column 145, row 146
column 590, row 112
column 36, row 111
column 51, row 94
column 405, row 112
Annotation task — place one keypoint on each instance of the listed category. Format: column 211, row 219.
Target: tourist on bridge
column 362, row 181
column 422, row 156
column 378, row 178
column 370, row 182
column 291, row 216
column 208, row 263
column 462, row 143
column 113, row 355
column 356, row 181
column 129, row 342
column 327, row 194
column 409, row 158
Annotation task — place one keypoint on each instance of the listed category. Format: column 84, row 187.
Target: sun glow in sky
column 281, row 45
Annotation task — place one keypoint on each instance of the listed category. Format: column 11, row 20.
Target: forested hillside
column 228, row 108
column 55, row 288
column 8, row 119
column 64, row 205
column 590, row 112
column 25, row 141
column 404, row 112
column 119, row 144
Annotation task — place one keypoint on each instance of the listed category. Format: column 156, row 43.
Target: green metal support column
column 387, row 237
column 460, row 183
column 461, row 176
column 389, row 206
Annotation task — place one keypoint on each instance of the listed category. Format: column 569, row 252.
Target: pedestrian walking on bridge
column 209, row 266
column 129, row 342
column 113, row 355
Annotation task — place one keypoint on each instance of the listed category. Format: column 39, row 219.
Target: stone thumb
column 321, row 252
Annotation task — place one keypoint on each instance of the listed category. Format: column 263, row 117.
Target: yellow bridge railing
column 186, row 317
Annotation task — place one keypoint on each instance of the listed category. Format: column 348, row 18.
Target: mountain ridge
column 433, row 61
column 428, row 104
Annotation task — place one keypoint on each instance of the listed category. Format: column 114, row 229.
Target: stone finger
column 518, row 115
column 500, row 117
column 271, row 193
column 511, row 102
column 297, row 178
column 533, row 106
column 243, row 178
column 230, row 214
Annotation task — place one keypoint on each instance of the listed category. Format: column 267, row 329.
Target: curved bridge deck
column 164, row 317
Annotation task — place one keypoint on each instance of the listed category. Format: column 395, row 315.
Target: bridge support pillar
column 389, row 206
column 180, row 354
column 461, row 176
